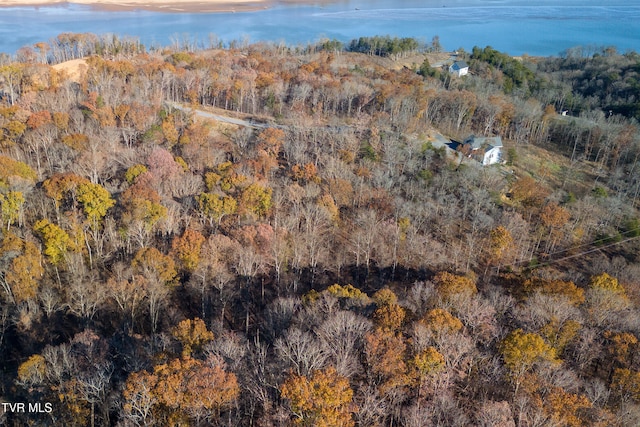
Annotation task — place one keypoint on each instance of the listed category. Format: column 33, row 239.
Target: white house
column 487, row 150
column 459, row 68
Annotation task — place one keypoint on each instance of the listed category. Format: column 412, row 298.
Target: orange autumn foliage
column 180, row 390
column 186, row 248
column 323, row 400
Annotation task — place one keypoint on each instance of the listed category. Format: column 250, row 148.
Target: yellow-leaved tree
column 32, row 371
column 213, row 207
column 25, row 271
column 500, row 248
column 454, row 291
column 605, row 298
column 14, row 172
column 567, row 409
column 192, row 334
column 626, row 383
column 186, row 248
column 449, row 284
column 521, row 351
column 160, row 276
column 56, row 241
column 441, row 323
column 322, row 400
column 428, row 362
column 96, row 200
column 256, row 199
column 11, row 207
column 389, row 315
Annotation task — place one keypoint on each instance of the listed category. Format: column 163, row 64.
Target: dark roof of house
column 486, row 142
column 459, row 65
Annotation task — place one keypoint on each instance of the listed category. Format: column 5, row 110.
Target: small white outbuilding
column 459, row 68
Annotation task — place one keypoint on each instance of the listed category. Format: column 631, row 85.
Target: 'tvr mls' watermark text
column 27, row 407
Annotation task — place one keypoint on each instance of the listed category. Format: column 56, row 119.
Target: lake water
column 513, row 26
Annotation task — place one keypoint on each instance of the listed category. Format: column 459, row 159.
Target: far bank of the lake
column 536, row 28
column 166, row 6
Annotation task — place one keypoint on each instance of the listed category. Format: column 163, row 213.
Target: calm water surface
column 514, row 26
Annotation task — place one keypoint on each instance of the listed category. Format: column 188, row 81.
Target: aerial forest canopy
column 258, row 234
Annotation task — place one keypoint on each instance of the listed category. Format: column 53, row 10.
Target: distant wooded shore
column 191, row 6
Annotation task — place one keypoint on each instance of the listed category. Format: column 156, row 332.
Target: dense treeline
column 606, row 81
column 384, row 46
column 319, row 261
column 516, row 73
column 68, row 46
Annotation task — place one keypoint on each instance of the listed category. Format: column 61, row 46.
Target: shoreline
column 175, row 6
